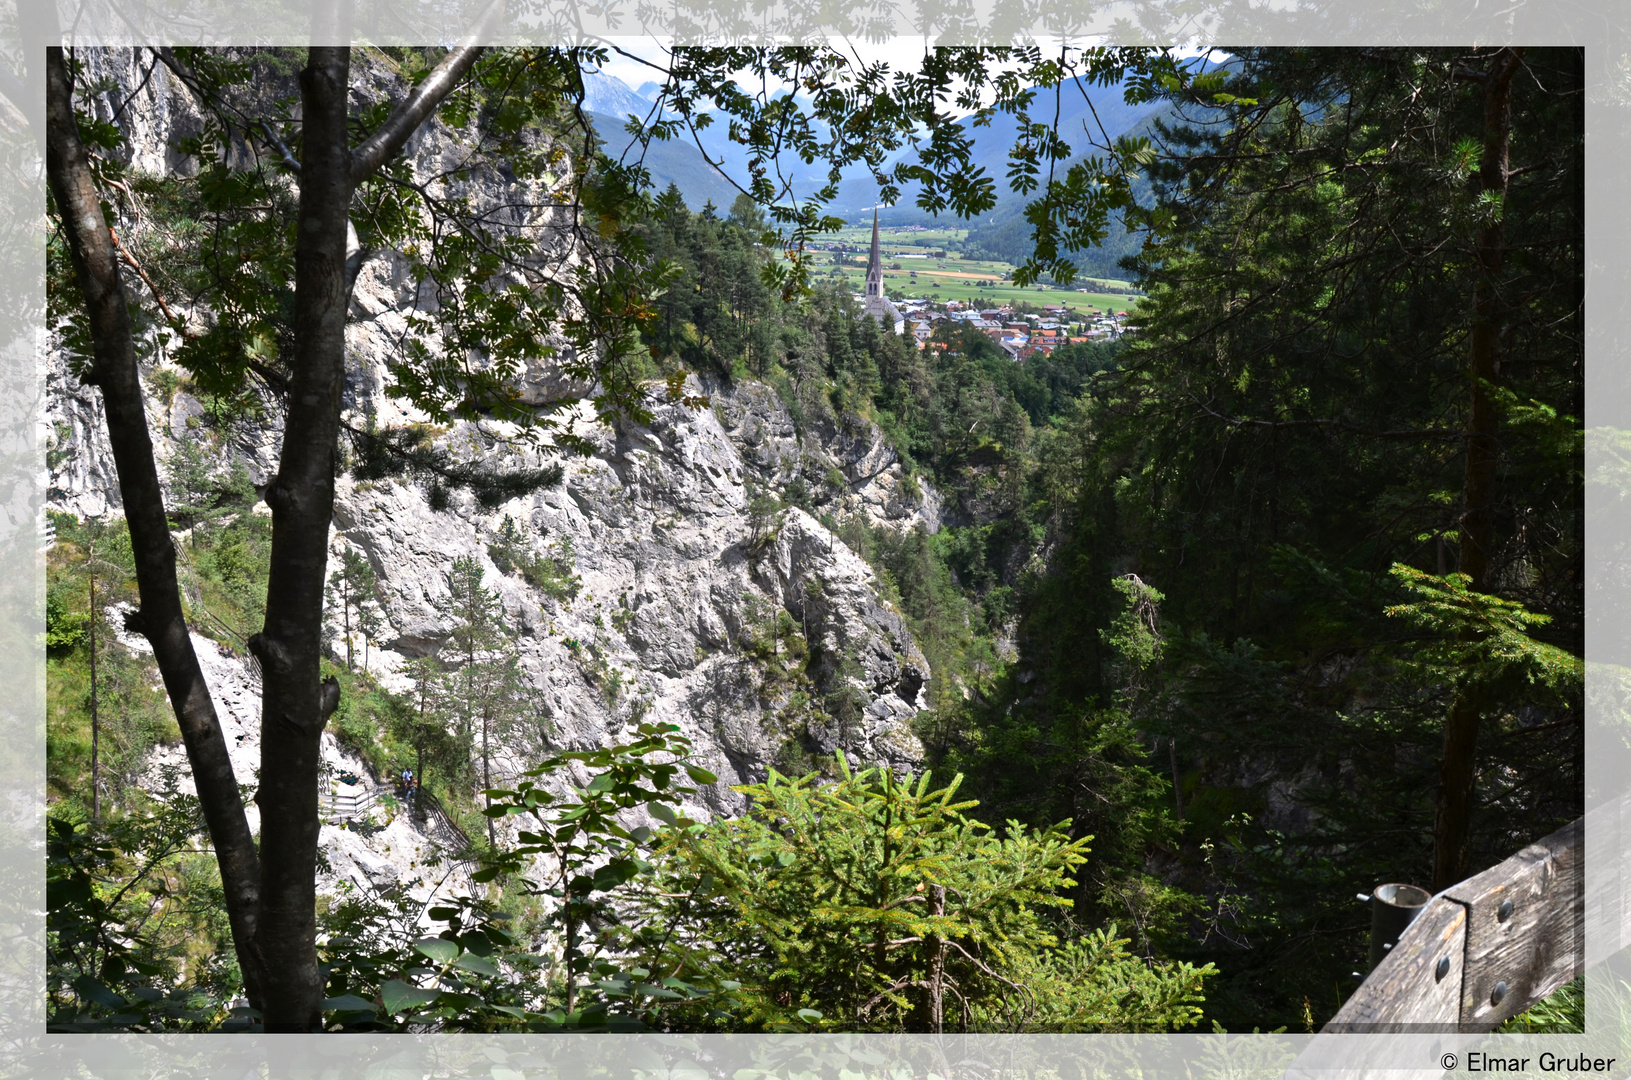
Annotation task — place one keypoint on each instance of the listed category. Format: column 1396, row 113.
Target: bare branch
column 189, row 79
column 130, row 261
column 383, row 144
column 1401, row 433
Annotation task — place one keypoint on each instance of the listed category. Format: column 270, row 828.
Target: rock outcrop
column 663, row 532
column 658, row 526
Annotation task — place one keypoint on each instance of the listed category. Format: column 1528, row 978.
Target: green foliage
column 222, row 235
column 1094, row 765
column 481, row 688
column 818, row 900
column 356, row 721
column 224, row 573
column 65, row 627
column 1135, row 634
column 1479, row 638
column 136, row 933
column 412, row 452
column 481, row 972
column 775, row 639
column 354, row 592
column 764, row 518
column 201, row 489
column 417, row 723
column 590, row 854
column 550, row 572
column 384, row 974
column 132, row 714
column 1068, row 206
column 1286, row 425
column 1094, row 983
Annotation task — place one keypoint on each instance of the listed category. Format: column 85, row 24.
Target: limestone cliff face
column 674, row 574
column 671, row 584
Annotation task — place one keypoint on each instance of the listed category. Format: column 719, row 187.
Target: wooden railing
column 348, row 806
column 430, row 807
column 1483, row 950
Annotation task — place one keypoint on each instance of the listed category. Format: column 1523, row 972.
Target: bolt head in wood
column 1442, row 969
column 1504, row 912
column 1498, row 993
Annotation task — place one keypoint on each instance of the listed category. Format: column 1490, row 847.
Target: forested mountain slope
column 1209, row 583
column 1272, row 600
column 696, row 581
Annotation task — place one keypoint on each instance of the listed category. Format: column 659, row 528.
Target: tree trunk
column 571, row 938
column 159, row 617
column 937, row 964
column 345, row 612
column 1452, row 830
column 1177, row 779
column 487, row 780
column 294, row 705
column 271, row 899
column 301, row 497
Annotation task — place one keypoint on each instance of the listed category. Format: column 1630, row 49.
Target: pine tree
column 484, row 685
column 355, row 589
column 873, row 902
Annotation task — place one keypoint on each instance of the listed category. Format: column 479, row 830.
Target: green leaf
column 438, row 949
column 88, row 987
column 400, row 997
column 701, row 776
column 349, row 1003
column 662, row 813
column 478, row 964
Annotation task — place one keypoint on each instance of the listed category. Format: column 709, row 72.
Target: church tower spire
column 874, row 263
column 874, row 304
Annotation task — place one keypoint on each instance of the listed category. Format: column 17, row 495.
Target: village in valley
column 1021, row 334
column 1021, row 327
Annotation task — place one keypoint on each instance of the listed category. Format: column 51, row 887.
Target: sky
column 897, row 52
column 900, row 52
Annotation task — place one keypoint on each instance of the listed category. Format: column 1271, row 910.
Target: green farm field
column 952, row 277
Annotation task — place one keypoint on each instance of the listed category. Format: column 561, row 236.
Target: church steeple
column 874, row 304
column 874, row 263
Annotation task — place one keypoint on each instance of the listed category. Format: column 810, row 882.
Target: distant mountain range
column 1001, row 232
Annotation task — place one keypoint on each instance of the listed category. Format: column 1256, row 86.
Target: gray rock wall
column 656, row 519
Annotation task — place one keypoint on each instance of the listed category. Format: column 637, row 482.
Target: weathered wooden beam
column 1482, row 950
column 1523, row 929
column 1417, row 986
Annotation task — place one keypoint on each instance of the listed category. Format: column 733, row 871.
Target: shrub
column 874, row 903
